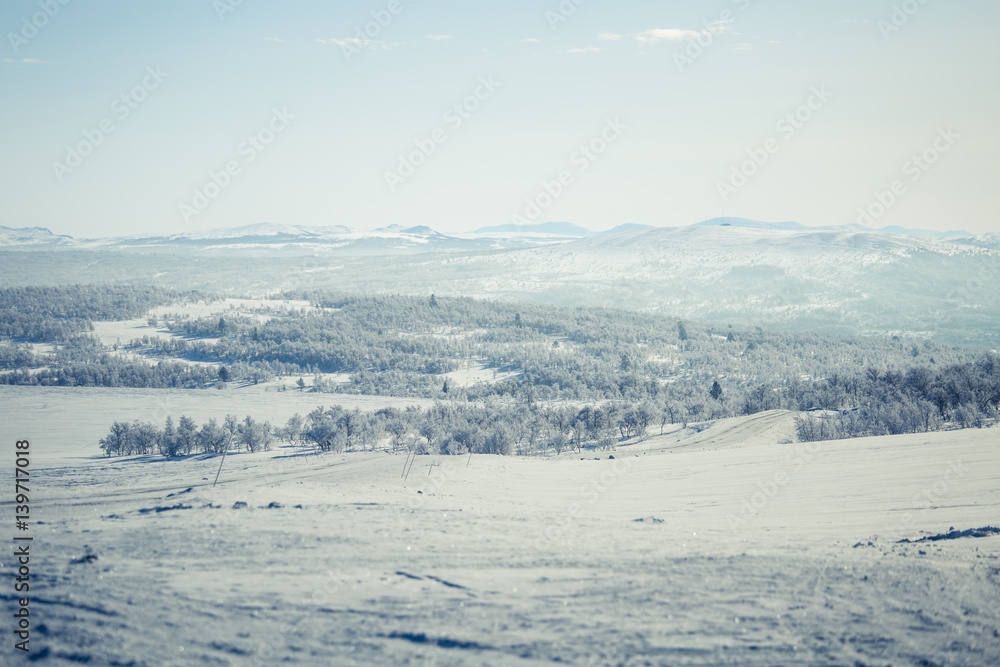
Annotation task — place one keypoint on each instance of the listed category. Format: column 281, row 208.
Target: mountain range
column 779, row 276
column 394, row 239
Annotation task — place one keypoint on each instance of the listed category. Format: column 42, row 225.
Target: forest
column 890, row 403
column 55, row 314
column 548, row 376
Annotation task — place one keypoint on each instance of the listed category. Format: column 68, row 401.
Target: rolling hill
column 783, row 277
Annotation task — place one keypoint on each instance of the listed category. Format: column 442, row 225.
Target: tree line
column 53, row 314
column 873, row 403
column 917, row 400
column 647, row 363
column 186, row 437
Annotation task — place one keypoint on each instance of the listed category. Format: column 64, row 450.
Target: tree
column 394, row 423
column 351, row 423
column 323, row 431
column 716, row 391
column 145, row 437
column 116, row 441
column 212, row 438
column 168, row 445
column 301, row 384
column 223, row 374
column 231, row 426
column 293, row 428
column 255, row 435
column 499, row 441
column 682, row 331
column 517, row 321
column 187, row 435
column 433, row 301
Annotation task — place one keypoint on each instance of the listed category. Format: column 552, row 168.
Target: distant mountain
column 268, row 237
column 796, row 226
column 797, row 278
column 924, row 233
column 564, row 229
column 31, row 236
column 746, row 223
column 260, row 230
column 778, row 276
column 419, row 229
column 263, row 238
column 627, row 227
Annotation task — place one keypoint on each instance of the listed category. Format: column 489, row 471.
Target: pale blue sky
column 685, row 127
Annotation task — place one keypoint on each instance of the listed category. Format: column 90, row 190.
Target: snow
column 67, row 422
column 652, row 557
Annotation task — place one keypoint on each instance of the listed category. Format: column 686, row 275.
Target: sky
column 132, row 116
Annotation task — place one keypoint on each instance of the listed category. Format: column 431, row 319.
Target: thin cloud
column 609, row 37
column 666, row 34
column 360, row 43
column 678, row 34
column 25, row 61
column 274, row 39
column 530, row 39
column 589, row 49
column 439, row 38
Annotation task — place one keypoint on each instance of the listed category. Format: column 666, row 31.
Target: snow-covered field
column 66, row 423
column 713, row 545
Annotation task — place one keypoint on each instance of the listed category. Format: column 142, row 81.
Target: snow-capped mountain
column 397, row 239
column 263, row 238
column 31, row 236
column 542, row 231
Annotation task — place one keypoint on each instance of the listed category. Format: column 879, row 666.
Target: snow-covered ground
column 66, row 423
column 715, row 545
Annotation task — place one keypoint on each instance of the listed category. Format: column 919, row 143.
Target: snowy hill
column 744, row 273
column 797, row 226
column 31, row 236
column 296, row 239
column 545, row 229
column 831, row 281
column 397, row 239
column 674, row 542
